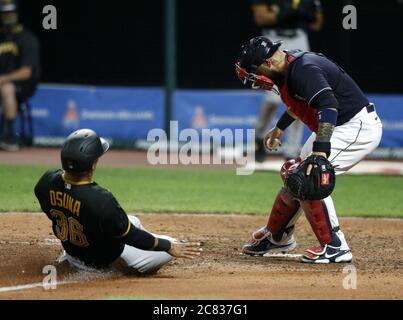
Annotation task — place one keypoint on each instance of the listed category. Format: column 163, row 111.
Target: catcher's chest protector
column 300, row 108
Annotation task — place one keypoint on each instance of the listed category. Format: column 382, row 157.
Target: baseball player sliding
column 345, row 128
column 94, row 230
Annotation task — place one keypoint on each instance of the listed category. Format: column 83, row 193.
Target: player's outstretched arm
column 115, row 223
column 144, row 240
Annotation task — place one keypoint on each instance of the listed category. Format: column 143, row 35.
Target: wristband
column 163, row 245
column 285, row 121
column 328, row 115
column 319, row 146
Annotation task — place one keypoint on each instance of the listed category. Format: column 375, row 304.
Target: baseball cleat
column 327, row 254
column 269, row 245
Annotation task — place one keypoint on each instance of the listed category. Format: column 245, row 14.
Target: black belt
column 370, row 108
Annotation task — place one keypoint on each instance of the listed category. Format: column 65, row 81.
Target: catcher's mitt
column 318, row 185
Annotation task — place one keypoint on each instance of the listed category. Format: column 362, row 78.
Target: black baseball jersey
column 18, row 49
column 313, row 77
column 289, row 7
column 85, row 217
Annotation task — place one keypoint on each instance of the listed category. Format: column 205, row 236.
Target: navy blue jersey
column 323, row 84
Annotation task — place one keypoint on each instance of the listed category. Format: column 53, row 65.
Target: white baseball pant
column 350, row 143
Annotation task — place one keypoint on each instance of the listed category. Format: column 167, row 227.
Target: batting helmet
column 81, row 149
column 256, row 51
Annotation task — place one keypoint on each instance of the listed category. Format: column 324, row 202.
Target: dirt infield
column 221, row 272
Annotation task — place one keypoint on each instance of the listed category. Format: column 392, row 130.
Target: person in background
column 19, row 70
column 289, row 21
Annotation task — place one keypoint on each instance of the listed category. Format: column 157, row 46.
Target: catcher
column 345, row 128
column 94, row 230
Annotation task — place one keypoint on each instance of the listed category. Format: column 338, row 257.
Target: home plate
column 279, row 255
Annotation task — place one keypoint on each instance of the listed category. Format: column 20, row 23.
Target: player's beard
column 277, row 77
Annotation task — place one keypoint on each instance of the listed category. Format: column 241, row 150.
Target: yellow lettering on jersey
column 71, row 204
column 64, row 200
column 52, row 198
column 76, row 209
column 59, row 199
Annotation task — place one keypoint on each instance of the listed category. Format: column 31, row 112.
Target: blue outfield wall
column 117, row 113
column 239, row 109
column 129, row 113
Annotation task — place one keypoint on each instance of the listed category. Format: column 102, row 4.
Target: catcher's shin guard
column 318, row 217
column 284, row 209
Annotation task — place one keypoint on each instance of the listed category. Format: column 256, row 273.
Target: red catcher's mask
column 257, row 81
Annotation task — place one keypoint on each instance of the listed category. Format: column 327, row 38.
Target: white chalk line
column 282, row 255
column 279, row 255
column 47, row 242
column 32, row 286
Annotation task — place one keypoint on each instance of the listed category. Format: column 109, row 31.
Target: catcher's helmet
column 81, row 149
column 256, row 51
column 8, row 5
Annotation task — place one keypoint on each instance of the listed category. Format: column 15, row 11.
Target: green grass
column 207, row 191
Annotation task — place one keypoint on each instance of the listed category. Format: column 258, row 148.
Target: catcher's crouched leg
column 333, row 247
column 277, row 235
